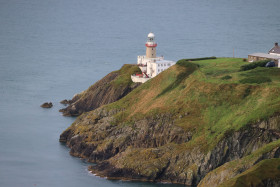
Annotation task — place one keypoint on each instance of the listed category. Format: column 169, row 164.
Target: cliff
column 111, row 88
column 198, row 123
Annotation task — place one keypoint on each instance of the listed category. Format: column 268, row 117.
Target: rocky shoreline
column 111, row 88
column 111, row 159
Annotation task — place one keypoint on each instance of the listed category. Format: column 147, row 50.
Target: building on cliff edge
column 150, row 65
column 273, row 54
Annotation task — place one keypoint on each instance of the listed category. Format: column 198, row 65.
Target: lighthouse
column 151, row 46
column 150, row 64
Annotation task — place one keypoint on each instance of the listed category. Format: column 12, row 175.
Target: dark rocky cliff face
column 152, row 149
column 109, row 89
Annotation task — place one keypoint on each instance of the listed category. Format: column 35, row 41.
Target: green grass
column 226, row 77
column 190, row 68
column 216, row 105
column 197, row 59
column 231, row 169
column 265, row 170
column 207, row 98
column 255, row 79
column 124, row 77
column 253, row 65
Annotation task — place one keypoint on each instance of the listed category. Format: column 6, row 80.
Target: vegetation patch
column 190, row 68
column 255, row 80
column 199, row 59
column 209, row 106
column 196, row 103
column 253, row 65
column 258, row 175
column 124, row 75
column 221, row 175
column 227, row 77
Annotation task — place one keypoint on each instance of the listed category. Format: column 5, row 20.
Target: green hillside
column 259, row 175
column 184, row 123
column 210, row 106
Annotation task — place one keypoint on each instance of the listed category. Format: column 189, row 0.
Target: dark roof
column 275, row 49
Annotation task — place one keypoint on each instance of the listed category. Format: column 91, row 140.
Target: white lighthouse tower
column 151, row 46
column 150, row 65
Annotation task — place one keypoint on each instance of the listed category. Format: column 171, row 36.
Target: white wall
column 274, row 54
column 139, row 79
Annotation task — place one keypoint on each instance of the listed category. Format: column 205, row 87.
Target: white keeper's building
column 273, row 55
column 150, row 64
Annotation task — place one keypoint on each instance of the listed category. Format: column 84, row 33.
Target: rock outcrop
column 65, row 102
column 109, row 89
column 47, row 105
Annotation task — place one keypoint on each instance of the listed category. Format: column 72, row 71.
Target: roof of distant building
column 265, row 55
column 163, row 61
column 275, row 49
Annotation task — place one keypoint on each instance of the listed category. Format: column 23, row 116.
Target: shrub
column 257, row 80
column 253, row 65
column 189, row 69
column 187, row 64
column 197, row 59
column 226, row 77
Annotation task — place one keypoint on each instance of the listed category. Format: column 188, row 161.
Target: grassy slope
column 125, row 72
column 110, row 88
column 255, row 176
column 229, row 169
column 201, row 101
column 210, row 106
column 123, row 78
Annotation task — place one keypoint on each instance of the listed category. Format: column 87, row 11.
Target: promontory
column 202, row 122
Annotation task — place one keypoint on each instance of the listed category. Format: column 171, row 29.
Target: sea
column 53, row 49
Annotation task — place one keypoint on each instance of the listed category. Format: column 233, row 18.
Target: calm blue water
column 52, row 49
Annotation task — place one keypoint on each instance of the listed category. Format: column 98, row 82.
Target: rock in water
column 47, row 105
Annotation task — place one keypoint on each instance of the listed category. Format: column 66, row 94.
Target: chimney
column 276, row 44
